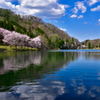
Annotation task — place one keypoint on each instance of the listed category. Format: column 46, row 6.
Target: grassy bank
column 18, row 48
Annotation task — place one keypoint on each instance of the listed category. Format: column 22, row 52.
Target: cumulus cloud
column 4, row 4
column 96, row 8
column 81, row 7
column 48, row 8
column 75, row 10
column 92, row 2
column 78, row 8
column 76, row 16
column 45, row 8
column 73, row 16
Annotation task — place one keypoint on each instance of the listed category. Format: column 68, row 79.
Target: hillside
column 32, row 26
column 92, row 43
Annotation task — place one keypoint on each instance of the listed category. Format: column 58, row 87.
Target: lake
column 50, row 75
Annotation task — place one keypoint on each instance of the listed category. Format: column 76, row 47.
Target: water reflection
column 23, row 66
column 34, row 91
column 19, row 60
column 50, row 76
column 92, row 55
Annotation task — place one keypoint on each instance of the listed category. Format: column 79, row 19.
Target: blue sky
column 79, row 18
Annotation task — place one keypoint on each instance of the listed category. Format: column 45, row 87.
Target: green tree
column 90, row 46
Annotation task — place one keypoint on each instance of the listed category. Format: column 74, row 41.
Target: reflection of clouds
column 42, row 90
column 94, row 91
column 78, row 86
column 35, row 91
column 81, row 85
column 81, row 89
column 20, row 61
column 60, row 86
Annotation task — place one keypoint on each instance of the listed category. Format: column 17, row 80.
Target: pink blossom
column 17, row 39
column 36, row 42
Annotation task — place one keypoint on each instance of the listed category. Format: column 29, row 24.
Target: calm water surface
column 55, row 75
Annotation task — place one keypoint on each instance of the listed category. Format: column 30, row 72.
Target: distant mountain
column 91, row 43
column 52, row 37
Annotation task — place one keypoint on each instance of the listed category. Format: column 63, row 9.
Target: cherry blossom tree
column 16, row 39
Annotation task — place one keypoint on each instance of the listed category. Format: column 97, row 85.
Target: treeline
column 91, row 44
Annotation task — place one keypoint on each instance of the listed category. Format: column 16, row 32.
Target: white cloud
column 99, row 20
column 4, row 4
column 80, row 16
column 96, row 8
column 45, row 8
column 64, row 29
column 75, row 10
column 73, row 16
column 79, row 6
column 92, row 2
column 76, row 16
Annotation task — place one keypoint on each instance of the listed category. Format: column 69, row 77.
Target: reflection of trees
column 31, row 65
column 31, row 85
column 91, row 55
column 19, row 60
column 55, row 60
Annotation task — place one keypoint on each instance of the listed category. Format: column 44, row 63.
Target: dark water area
column 54, row 75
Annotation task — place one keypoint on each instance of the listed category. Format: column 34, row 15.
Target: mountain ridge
column 33, row 26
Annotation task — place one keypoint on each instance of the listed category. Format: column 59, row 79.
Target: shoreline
column 18, row 48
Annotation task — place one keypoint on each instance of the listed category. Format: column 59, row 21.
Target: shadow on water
column 50, row 76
